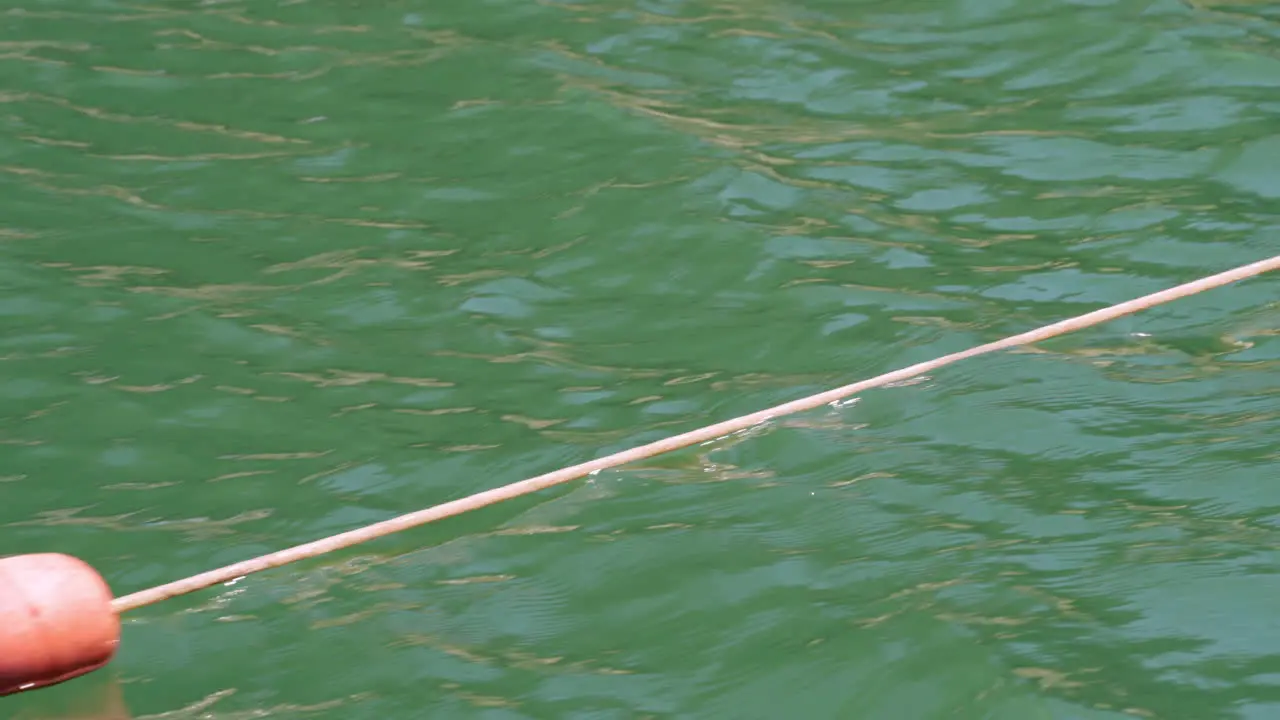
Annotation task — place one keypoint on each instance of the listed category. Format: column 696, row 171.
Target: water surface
column 270, row 271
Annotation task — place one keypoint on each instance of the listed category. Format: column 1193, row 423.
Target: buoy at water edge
column 56, row 621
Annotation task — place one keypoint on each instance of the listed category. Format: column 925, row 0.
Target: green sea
column 274, row 270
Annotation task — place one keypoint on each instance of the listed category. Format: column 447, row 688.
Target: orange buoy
column 56, row 621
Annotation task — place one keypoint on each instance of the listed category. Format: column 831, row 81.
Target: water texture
column 272, row 270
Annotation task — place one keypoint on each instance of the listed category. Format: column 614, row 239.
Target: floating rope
column 676, row 442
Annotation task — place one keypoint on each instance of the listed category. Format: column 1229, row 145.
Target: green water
column 273, row 270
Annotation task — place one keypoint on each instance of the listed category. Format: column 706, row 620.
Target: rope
column 676, row 442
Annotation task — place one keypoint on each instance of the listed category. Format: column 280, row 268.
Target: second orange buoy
column 56, row 621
